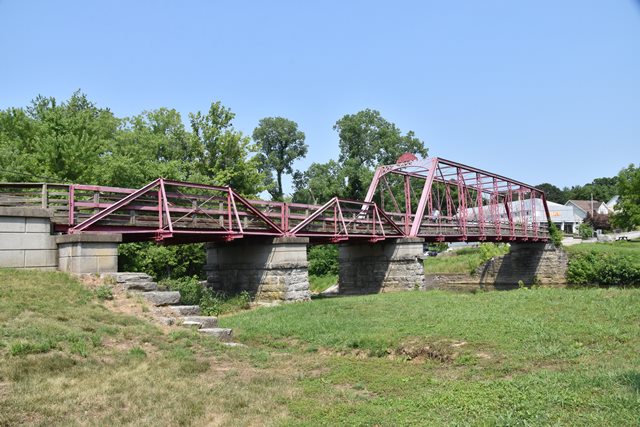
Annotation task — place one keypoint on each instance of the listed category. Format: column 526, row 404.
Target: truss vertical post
column 165, row 205
column 160, row 218
column 523, row 219
column 407, row 203
column 479, row 202
column 534, row 213
column 462, row 203
column 507, row 205
column 72, row 205
column 495, row 209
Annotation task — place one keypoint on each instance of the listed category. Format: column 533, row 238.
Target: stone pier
column 270, row 269
column 393, row 265
column 531, row 263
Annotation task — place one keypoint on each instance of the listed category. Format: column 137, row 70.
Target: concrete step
column 162, row 297
column 185, row 310
column 140, row 286
column 223, row 334
column 203, row 321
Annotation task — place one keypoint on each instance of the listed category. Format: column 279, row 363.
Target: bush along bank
column 604, row 269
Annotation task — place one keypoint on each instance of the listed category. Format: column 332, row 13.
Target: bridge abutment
column 26, row 240
column 393, row 265
column 272, row 269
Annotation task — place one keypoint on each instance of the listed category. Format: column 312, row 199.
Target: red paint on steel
column 456, row 202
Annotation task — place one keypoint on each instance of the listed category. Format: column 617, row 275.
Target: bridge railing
column 53, row 197
column 200, row 209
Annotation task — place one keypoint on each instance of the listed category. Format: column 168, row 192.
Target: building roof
column 587, row 206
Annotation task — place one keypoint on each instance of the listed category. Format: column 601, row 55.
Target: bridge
column 407, row 203
column 452, row 202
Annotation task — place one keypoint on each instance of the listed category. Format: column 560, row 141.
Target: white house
column 583, row 207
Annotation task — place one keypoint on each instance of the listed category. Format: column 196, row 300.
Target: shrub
column 598, row 221
column 217, row 303
column 104, row 292
column 191, row 291
column 555, row 234
column 490, row 250
column 323, row 259
column 162, row 262
column 603, row 269
column 585, row 231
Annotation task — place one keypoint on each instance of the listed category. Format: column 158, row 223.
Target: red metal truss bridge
column 435, row 199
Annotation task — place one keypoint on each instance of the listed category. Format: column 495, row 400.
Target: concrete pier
column 393, row 265
column 270, row 269
column 88, row 253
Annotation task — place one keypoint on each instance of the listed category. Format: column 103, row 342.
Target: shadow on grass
column 631, row 379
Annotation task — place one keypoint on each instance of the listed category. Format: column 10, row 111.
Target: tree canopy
column 628, row 208
column 602, row 189
column 281, row 143
column 76, row 141
column 367, row 140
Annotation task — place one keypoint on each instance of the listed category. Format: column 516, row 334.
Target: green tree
column 281, row 143
column 18, row 132
column 627, row 213
column 319, row 183
column 151, row 145
column 602, row 189
column 61, row 141
column 226, row 152
column 366, row 141
column 553, row 193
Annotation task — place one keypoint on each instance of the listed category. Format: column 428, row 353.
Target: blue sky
column 539, row 91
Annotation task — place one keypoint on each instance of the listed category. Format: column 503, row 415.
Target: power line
column 46, row 178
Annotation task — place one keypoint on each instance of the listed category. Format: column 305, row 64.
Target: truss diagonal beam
column 111, row 209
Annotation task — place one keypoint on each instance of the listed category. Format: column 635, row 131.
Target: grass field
column 464, row 260
column 630, row 248
column 526, row 357
column 320, row 283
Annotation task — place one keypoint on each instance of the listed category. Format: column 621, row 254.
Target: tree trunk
column 279, row 175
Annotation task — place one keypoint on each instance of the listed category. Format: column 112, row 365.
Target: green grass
column 525, row 357
column 465, row 260
column 630, row 249
column 321, row 283
column 454, row 263
column 65, row 359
